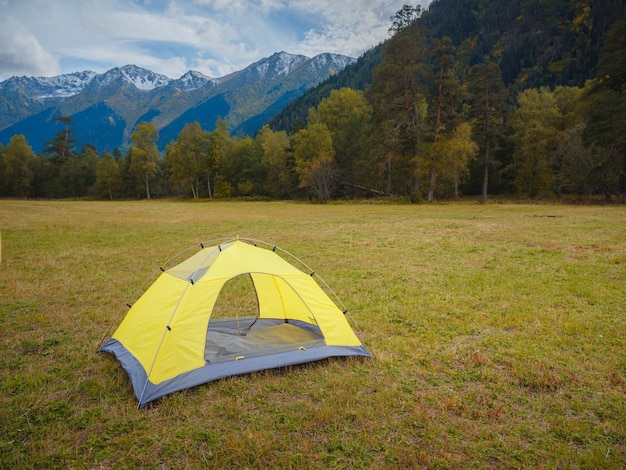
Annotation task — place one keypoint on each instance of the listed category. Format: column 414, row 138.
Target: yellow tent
column 171, row 338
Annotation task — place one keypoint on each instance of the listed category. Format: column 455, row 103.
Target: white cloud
column 348, row 26
column 215, row 37
column 21, row 53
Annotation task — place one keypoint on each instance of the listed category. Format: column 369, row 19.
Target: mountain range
column 106, row 107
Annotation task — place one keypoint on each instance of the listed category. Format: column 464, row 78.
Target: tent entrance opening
column 235, row 330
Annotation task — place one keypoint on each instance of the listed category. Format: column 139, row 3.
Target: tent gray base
column 229, row 339
column 227, row 365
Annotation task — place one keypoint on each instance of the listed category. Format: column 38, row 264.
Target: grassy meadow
column 498, row 335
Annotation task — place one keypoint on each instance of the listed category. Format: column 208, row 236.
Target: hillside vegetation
column 535, row 43
column 471, row 97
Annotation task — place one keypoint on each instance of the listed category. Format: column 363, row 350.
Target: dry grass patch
column 497, row 333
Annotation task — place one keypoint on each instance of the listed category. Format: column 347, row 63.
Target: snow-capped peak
column 68, row 85
column 280, row 63
column 139, row 77
column 142, row 78
column 335, row 62
column 60, row 86
column 193, row 80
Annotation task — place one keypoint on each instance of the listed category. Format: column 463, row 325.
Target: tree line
column 429, row 126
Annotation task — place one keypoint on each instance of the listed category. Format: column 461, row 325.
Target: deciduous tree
column 144, row 154
column 220, row 146
column 315, row 164
column 346, row 113
column 278, row 166
column 536, row 138
column 461, row 150
column 18, row 176
column 188, row 158
column 108, row 175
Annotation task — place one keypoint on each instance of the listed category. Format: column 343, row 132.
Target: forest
column 438, row 112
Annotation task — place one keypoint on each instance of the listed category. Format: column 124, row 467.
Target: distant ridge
column 106, row 107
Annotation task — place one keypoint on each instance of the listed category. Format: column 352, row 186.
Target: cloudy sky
column 215, row 37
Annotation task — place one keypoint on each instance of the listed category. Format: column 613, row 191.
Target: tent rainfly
column 171, row 339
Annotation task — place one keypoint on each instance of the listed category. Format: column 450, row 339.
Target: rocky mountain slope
column 106, row 107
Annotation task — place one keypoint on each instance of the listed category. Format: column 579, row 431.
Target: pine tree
column 606, row 121
column 398, row 99
column 444, row 107
column 488, row 108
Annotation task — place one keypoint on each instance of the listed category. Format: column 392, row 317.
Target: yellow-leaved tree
column 144, row 154
column 315, row 162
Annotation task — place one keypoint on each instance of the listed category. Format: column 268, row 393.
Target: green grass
column 498, row 334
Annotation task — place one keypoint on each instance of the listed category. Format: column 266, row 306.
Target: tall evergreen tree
column 444, row 107
column 397, row 95
column 606, row 122
column 59, row 160
column 612, row 63
column 404, row 18
column 63, row 145
column 488, row 109
column 605, row 132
